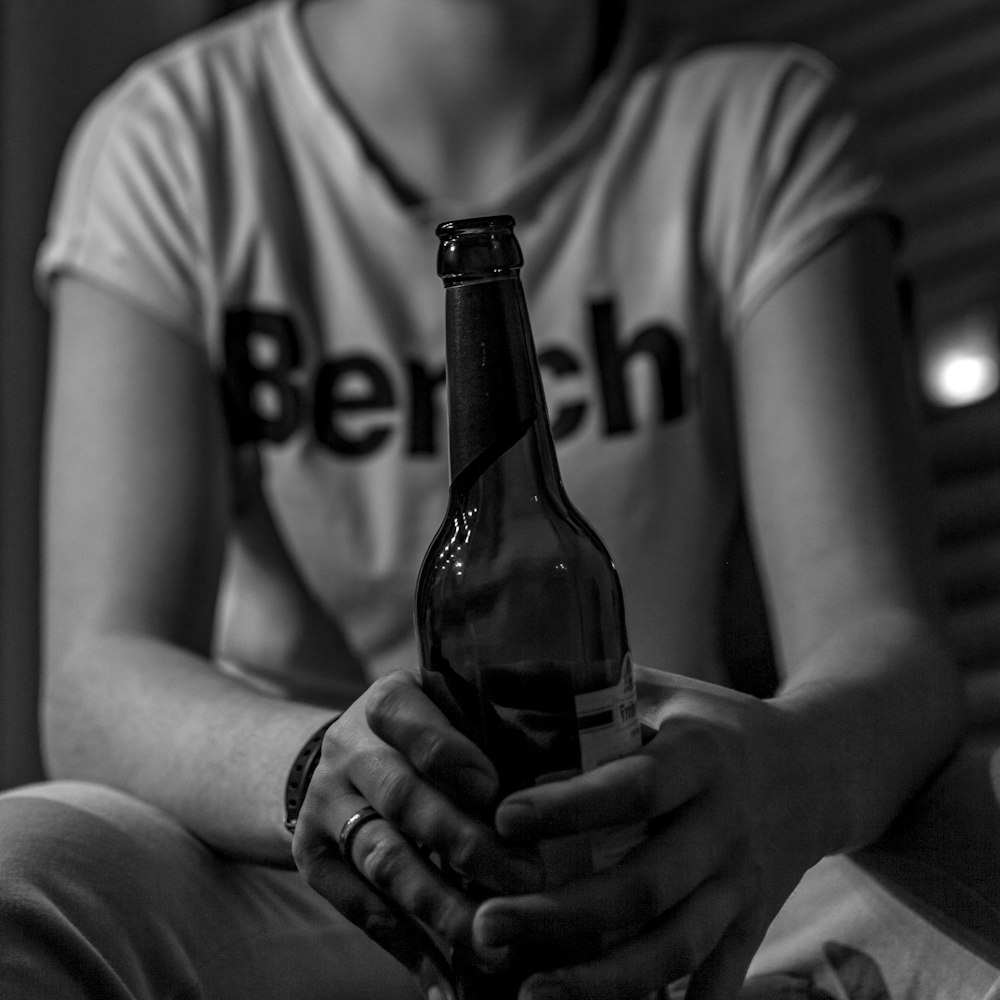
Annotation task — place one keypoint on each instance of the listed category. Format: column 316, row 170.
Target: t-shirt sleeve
column 799, row 169
column 127, row 213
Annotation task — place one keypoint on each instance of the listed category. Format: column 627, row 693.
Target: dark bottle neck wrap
column 493, row 389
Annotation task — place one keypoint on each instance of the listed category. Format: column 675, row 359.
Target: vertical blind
column 926, row 76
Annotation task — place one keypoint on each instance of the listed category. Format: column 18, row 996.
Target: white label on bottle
column 608, row 721
column 608, row 728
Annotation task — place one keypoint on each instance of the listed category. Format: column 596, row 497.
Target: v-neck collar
column 520, row 195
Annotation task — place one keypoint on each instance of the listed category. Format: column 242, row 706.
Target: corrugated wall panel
column 926, row 75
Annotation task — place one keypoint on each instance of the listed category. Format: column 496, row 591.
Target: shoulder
column 743, row 84
column 167, row 130
column 737, row 64
column 749, row 111
column 190, row 87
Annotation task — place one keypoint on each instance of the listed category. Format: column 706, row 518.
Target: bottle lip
column 477, row 224
column 478, row 248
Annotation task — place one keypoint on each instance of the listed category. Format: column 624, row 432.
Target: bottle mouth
column 481, row 224
column 482, row 247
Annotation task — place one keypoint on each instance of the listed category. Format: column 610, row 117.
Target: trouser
column 105, row 897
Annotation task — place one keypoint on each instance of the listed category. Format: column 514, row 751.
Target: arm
column 137, row 513
column 742, row 796
column 838, row 504
column 137, row 507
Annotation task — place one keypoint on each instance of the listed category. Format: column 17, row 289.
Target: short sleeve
column 799, row 170
column 127, row 213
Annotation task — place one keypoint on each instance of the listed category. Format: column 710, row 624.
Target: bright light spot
column 963, row 379
column 962, row 363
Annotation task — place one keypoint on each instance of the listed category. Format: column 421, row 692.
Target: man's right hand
column 395, row 751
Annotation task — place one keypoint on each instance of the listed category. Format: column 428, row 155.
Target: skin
column 741, row 795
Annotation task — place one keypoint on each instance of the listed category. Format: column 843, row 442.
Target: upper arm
column 136, row 491
column 832, row 462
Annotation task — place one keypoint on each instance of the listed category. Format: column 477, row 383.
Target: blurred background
column 925, row 73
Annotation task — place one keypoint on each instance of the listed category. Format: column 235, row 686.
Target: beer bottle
column 519, row 611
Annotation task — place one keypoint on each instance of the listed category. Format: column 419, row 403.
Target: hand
column 728, row 841
column 431, row 786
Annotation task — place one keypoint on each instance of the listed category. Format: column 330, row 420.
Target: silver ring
column 350, row 830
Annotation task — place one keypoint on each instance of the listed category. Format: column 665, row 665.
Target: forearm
column 162, row 724
column 874, row 710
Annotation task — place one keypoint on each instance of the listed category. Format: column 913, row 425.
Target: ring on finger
column 350, row 830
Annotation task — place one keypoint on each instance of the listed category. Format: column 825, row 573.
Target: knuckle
column 395, row 793
column 385, row 701
column 451, row 919
column 430, row 751
column 304, row 855
column 310, row 848
column 464, row 851
column 379, row 923
column 333, row 740
column 383, row 862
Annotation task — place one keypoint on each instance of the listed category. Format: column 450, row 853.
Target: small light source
column 961, row 363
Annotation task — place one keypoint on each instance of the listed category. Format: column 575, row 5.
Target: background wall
column 925, row 72
column 54, row 56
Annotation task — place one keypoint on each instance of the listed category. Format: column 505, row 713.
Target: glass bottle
column 519, row 611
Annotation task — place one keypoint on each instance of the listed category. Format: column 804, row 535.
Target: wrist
column 300, row 774
column 874, row 714
column 816, row 774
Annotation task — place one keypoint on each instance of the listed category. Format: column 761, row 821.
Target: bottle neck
column 495, row 398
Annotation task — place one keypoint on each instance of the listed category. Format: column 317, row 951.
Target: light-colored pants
column 104, row 897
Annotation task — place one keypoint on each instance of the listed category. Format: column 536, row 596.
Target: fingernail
column 434, row 983
column 439, row 991
column 511, row 815
column 494, row 930
column 544, row 988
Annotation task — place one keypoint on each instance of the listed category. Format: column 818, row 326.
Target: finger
column 669, row 771
column 722, row 974
column 674, row 945
column 392, row 865
column 425, row 815
column 400, row 713
column 386, row 925
column 635, row 891
column 420, row 811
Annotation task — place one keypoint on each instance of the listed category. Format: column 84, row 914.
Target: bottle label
column 608, row 721
column 608, row 728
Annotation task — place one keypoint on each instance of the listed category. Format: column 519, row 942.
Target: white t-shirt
column 220, row 187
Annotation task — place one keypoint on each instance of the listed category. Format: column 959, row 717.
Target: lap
column 942, row 855
column 135, row 907
column 103, row 895
column 915, row 916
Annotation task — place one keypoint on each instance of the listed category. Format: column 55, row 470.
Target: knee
column 56, row 848
column 74, row 889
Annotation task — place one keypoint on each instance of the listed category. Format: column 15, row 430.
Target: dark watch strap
column 300, row 773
